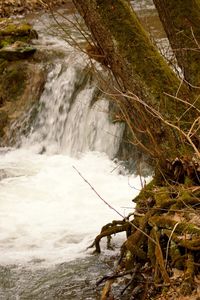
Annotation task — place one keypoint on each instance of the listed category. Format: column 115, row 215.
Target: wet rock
column 12, row 31
column 21, row 84
column 3, row 120
column 18, row 50
column 12, row 80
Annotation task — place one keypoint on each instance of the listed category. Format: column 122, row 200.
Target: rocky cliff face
column 20, row 89
column 21, row 77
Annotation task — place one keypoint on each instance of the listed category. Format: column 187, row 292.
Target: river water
column 48, row 214
column 48, row 218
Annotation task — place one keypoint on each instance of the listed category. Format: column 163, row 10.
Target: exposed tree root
column 108, row 230
column 169, row 260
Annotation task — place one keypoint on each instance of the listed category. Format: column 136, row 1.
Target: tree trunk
column 162, row 235
column 181, row 21
column 140, row 69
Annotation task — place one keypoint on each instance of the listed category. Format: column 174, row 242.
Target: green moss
column 11, row 32
column 168, row 223
column 15, row 29
column 182, row 28
column 146, row 192
column 130, row 45
column 127, row 30
column 5, row 42
column 188, row 181
column 177, row 260
column 162, row 197
column 186, row 199
column 8, row 40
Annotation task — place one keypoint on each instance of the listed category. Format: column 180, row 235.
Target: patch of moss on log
column 123, row 44
column 188, row 284
column 175, row 254
column 126, row 30
column 168, row 223
column 173, row 242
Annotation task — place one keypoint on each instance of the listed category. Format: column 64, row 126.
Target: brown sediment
column 18, row 7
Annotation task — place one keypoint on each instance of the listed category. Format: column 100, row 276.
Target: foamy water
column 48, row 212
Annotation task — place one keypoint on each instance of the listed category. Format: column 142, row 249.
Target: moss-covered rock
column 11, row 28
column 18, row 50
column 12, row 80
column 12, row 31
column 20, row 81
column 21, row 84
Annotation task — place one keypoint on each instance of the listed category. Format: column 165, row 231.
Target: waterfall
column 73, row 113
column 41, row 194
column 48, row 214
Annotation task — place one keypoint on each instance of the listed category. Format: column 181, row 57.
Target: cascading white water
column 47, row 211
column 70, row 120
column 48, row 214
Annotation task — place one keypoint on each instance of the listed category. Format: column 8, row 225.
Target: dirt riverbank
column 13, row 7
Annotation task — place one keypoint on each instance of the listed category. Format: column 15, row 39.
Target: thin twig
column 168, row 243
column 111, row 207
